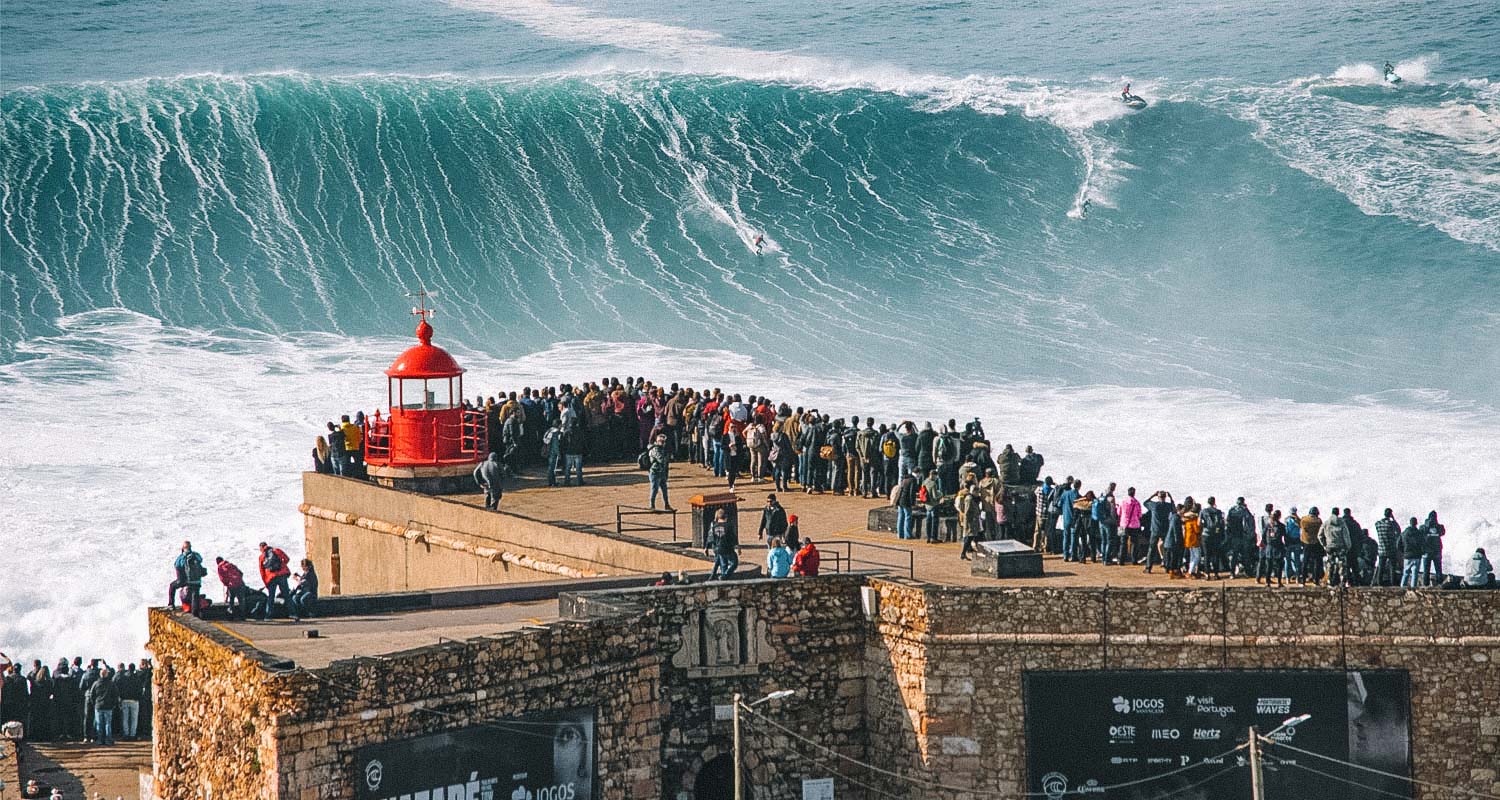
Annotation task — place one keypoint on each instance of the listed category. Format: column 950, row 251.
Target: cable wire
column 1357, row 784
column 937, row 785
column 1398, row 776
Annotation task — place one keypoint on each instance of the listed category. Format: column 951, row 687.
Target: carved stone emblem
column 723, row 639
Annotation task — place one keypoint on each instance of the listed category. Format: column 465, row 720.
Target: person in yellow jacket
column 354, row 438
column 1192, row 537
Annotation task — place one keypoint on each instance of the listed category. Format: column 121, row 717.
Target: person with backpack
column 1212, row 519
column 723, row 545
column 1159, row 507
column 757, row 443
column 657, row 461
column 1312, row 548
column 487, row 476
column 867, row 445
column 781, row 460
column 945, row 453
column 190, row 572
column 274, row 572
column 1432, row 550
column 1031, row 465
column 890, row 461
column 930, row 495
column 851, row 457
column 1010, row 465
column 1240, row 540
column 1271, row 546
column 1334, row 537
column 552, row 450
column 904, row 498
column 1043, row 498
column 1106, row 518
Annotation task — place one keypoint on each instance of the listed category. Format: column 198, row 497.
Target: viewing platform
column 613, row 500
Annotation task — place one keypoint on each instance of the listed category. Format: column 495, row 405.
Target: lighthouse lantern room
column 428, row 441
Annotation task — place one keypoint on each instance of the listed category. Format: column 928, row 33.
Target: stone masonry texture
column 929, row 690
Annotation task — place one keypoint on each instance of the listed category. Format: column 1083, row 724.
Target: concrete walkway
column 823, row 517
column 83, row 770
column 379, row 634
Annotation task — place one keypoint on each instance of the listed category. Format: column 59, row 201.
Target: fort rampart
column 929, row 687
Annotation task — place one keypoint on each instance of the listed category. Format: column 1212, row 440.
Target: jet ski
column 1390, row 74
column 1133, row 101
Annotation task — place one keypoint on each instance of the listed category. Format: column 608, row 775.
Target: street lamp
column 1257, row 780
column 739, row 701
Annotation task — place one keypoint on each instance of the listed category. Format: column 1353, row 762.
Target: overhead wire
column 1356, row 784
column 971, row 790
column 1398, row 776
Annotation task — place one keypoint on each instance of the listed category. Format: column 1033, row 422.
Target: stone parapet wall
column 390, row 540
column 955, row 658
column 929, row 690
column 214, row 728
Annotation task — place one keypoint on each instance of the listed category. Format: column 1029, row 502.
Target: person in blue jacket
column 1065, row 501
column 778, row 559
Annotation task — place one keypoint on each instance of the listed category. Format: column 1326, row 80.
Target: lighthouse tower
column 428, row 442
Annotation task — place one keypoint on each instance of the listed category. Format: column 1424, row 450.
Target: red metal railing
column 377, row 438
column 472, row 437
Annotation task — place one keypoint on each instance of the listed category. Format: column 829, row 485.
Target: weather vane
column 421, row 309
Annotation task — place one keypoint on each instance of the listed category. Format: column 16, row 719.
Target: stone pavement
column 823, row 517
column 84, row 770
column 373, row 634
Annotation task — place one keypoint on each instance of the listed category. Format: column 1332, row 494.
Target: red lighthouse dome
column 429, row 441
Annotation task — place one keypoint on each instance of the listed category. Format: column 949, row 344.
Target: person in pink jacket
column 1130, row 528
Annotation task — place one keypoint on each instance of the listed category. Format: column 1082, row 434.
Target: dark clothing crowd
column 945, row 483
column 75, row 703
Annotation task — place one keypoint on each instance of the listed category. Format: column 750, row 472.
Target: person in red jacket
column 274, row 570
column 806, row 562
column 235, row 590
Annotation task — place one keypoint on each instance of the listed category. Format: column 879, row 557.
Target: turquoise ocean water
column 1280, row 279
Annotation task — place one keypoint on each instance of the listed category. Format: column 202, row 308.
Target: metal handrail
column 621, row 512
column 848, row 555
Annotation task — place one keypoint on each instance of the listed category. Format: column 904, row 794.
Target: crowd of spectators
column 72, row 702
column 945, row 482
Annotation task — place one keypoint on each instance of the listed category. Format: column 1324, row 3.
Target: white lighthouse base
column 427, row 479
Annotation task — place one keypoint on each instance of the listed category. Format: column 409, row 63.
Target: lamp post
column 739, row 701
column 1257, row 779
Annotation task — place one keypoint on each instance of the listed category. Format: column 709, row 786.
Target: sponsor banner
column 544, row 757
column 1089, row 731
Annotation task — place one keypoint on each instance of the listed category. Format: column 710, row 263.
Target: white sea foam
column 127, row 436
column 1391, row 153
column 1413, row 71
column 1075, row 109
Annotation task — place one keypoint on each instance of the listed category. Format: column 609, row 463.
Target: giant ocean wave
column 616, row 206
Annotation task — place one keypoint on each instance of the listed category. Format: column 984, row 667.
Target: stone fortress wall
column 929, row 687
column 366, row 539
